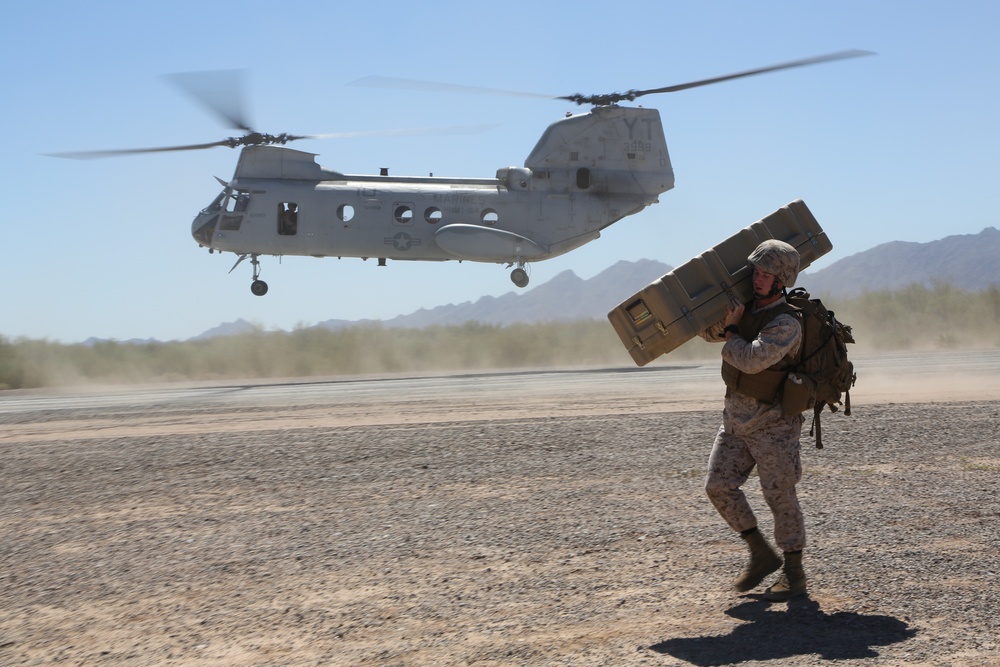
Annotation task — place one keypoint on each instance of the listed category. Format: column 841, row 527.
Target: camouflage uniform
column 757, row 433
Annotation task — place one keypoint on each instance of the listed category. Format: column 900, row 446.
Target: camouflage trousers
column 774, row 449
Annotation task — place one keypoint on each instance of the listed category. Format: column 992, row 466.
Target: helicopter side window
column 403, row 214
column 288, row 218
column 583, row 178
column 433, row 215
column 345, row 212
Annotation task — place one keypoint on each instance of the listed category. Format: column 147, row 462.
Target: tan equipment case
column 676, row 307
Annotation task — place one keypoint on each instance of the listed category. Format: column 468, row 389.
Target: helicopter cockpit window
column 216, row 204
column 288, row 218
column 238, row 201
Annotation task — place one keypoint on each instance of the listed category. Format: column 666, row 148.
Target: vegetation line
column 916, row 317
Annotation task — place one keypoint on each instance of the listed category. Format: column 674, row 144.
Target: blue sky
column 904, row 145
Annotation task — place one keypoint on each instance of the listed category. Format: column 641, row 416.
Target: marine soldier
column 762, row 342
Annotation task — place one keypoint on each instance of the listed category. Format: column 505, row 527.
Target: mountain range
column 969, row 261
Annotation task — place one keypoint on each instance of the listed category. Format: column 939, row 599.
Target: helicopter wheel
column 519, row 277
column 258, row 287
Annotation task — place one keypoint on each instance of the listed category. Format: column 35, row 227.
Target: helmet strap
column 776, row 287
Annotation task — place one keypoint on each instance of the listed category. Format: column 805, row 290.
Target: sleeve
column 776, row 341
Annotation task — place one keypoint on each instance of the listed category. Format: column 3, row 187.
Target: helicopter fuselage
column 585, row 173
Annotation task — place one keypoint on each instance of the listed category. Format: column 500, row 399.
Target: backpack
column 824, row 374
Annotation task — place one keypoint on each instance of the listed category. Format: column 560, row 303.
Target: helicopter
column 587, row 171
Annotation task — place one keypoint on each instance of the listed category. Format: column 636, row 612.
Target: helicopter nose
column 203, row 228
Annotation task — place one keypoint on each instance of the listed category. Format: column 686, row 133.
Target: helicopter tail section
column 611, row 149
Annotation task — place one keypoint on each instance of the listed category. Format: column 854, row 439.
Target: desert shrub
column 922, row 317
column 939, row 316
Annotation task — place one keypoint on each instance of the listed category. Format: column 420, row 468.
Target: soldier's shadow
column 776, row 631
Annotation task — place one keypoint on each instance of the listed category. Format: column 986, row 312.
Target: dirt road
column 535, row 518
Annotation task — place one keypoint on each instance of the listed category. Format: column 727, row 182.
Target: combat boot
column 763, row 561
column 791, row 583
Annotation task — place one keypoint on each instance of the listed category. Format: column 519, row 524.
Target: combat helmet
column 779, row 258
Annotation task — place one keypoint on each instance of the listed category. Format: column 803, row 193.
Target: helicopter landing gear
column 258, row 286
column 519, row 276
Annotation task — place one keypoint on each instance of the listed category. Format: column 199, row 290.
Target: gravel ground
column 459, row 539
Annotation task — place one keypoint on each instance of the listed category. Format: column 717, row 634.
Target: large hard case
column 676, row 307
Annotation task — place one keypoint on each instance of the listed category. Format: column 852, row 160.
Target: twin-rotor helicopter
column 587, row 171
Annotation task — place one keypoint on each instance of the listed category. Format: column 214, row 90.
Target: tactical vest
column 766, row 385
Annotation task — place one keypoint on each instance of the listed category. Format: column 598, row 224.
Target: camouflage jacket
column 778, row 341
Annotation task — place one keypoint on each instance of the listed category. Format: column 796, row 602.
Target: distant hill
column 236, row 328
column 564, row 297
column 969, row 261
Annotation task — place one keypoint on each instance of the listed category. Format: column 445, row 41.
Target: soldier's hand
column 734, row 314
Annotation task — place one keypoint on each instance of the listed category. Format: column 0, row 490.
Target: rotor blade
column 255, row 139
column 406, row 132
column 437, row 87
column 93, row 155
column 839, row 55
column 220, row 91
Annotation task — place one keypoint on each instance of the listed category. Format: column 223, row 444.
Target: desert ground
column 549, row 517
